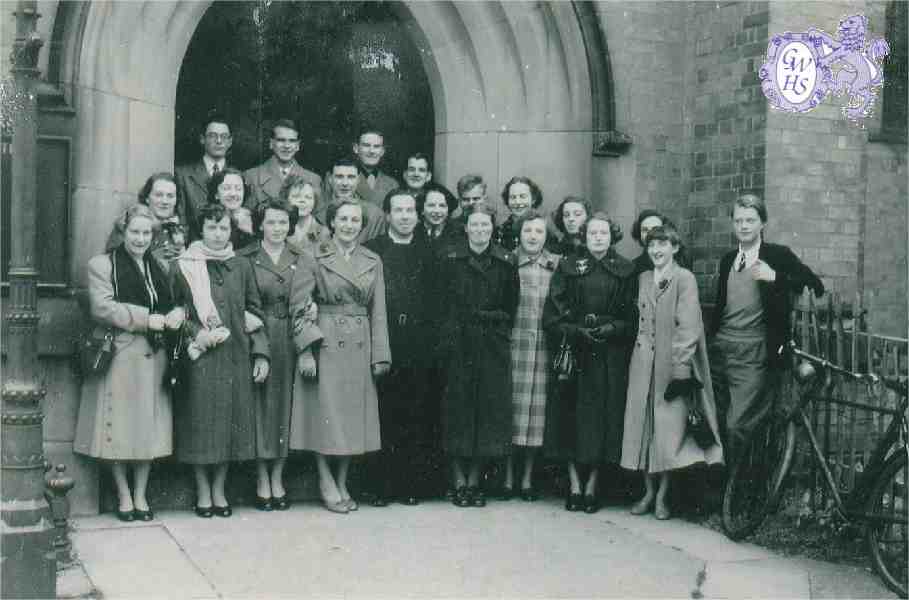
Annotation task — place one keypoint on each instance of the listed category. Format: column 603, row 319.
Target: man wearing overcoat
column 192, row 179
column 265, row 181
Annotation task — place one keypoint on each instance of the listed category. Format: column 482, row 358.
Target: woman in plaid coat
column 529, row 351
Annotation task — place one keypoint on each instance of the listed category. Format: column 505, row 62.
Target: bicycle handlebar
column 872, row 379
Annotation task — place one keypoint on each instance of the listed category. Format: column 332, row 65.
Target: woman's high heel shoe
column 127, row 516
column 204, row 512
column 339, row 507
column 263, row 504
column 222, row 511
column 591, row 504
column 574, row 503
column 462, row 497
column 642, row 506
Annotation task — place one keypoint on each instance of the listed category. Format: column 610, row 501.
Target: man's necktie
column 284, row 172
column 371, row 181
column 741, row 266
column 215, row 169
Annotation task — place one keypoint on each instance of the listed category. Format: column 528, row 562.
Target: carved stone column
column 29, row 564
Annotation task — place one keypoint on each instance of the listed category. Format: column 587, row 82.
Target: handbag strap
column 113, row 274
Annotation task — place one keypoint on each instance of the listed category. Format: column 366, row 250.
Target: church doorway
column 333, row 67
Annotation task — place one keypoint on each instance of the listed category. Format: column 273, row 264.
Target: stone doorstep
column 73, row 582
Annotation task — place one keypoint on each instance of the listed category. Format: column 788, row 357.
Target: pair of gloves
column 596, row 335
column 214, row 336
column 681, row 388
column 172, row 320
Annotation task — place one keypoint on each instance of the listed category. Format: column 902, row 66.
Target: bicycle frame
column 853, row 506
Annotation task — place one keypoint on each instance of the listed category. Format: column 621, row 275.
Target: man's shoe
column 574, row 503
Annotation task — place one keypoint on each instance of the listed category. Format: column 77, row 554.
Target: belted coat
column 338, row 413
column 586, row 421
column 286, row 290
column 481, row 292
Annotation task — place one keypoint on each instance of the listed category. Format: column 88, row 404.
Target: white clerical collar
column 399, row 240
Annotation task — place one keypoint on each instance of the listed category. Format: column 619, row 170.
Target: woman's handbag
column 697, row 426
column 96, row 347
column 564, row 364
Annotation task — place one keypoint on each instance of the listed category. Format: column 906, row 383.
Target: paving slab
column 507, row 550
column 132, row 562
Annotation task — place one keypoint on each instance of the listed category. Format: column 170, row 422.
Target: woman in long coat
column 669, row 356
column 530, row 360
column 285, row 281
column 591, row 304
column 337, row 414
column 215, row 418
column 482, row 291
column 125, row 413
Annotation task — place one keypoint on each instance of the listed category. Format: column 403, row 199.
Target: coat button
column 359, row 320
column 341, row 344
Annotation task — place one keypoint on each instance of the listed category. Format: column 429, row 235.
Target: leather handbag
column 564, row 364
column 697, row 426
column 96, row 347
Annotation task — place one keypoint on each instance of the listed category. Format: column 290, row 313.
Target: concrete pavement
column 506, row 550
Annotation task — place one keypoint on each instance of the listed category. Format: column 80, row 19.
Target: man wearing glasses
column 192, row 179
column 265, row 180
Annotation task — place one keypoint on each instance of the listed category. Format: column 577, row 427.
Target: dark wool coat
column 285, row 289
column 482, row 299
column 586, row 421
column 192, row 183
column 215, row 420
column 507, row 235
column 791, row 277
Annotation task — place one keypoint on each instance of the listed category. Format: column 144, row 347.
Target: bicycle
column 878, row 500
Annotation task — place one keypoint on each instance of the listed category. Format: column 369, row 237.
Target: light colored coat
column 124, row 414
column 265, row 181
column 338, row 413
column 670, row 345
column 529, row 350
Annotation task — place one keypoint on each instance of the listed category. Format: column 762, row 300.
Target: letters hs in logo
column 803, row 68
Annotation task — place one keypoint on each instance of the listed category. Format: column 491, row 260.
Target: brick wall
column 725, row 116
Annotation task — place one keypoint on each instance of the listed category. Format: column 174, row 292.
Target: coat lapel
column 661, row 287
column 199, row 175
column 332, row 260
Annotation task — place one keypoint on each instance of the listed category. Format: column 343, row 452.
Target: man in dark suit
column 751, row 322
column 409, row 268
column 192, row 179
column 373, row 184
column 265, row 181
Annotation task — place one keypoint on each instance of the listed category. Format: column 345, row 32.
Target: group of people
column 270, row 310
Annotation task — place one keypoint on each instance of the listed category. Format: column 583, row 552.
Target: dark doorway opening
column 334, row 67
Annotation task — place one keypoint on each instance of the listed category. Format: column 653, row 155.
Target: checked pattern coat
column 529, row 349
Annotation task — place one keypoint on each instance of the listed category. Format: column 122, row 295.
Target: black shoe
column 222, row 511
column 143, row 515
column 477, row 497
column 281, row 503
column 463, row 497
column 409, row 500
column 574, row 503
column 529, row 495
column 591, row 504
column 379, row 501
column 127, row 516
column 506, row 493
column 263, row 504
column 204, row 512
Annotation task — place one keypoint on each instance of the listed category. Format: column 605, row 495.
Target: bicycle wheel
column 757, row 477
column 887, row 537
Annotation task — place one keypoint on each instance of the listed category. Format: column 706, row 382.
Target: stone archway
column 510, row 85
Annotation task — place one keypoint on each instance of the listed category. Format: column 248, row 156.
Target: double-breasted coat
column 482, row 298
column 265, row 181
column 530, row 350
column 215, row 420
column 585, row 422
column 285, row 290
column 338, row 413
column 124, row 414
column 670, row 345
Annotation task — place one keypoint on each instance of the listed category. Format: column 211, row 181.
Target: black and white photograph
column 454, row 299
